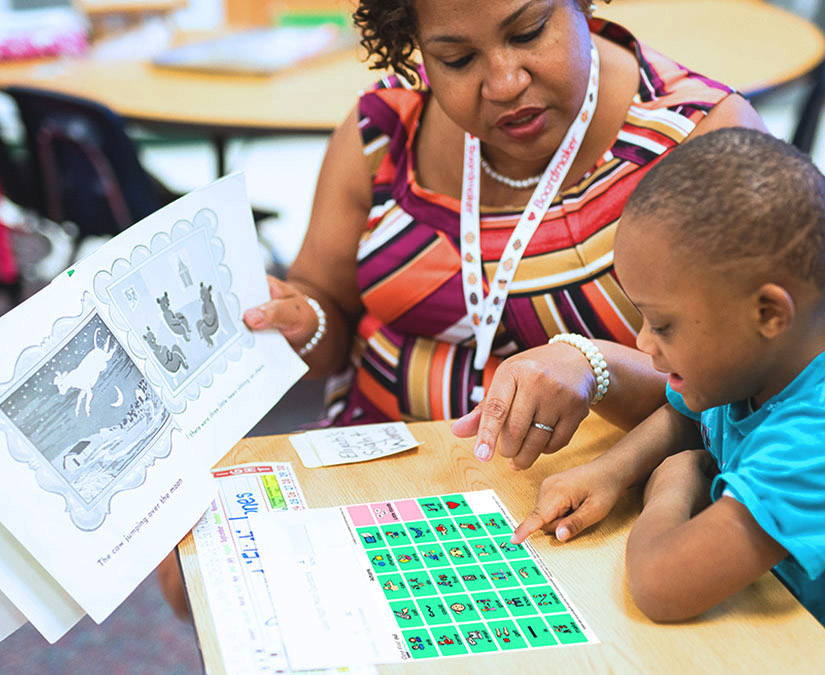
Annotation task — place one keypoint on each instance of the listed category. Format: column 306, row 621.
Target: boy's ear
column 775, row 310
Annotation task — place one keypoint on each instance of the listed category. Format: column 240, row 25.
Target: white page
column 10, row 617
column 347, row 445
column 107, row 463
column 225, row 387
column 36, row 595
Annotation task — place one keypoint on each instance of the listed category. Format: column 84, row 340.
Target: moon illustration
column 119, row 401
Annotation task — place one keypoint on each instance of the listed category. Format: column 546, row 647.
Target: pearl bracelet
column 594, row 356
column 319, row 332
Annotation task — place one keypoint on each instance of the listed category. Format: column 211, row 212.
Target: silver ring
column 543, row 427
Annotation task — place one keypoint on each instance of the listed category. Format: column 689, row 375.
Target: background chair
column 84, row 168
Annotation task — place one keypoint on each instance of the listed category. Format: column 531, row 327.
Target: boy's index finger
column 546, row 511
column 494, row 410
column 526, row 527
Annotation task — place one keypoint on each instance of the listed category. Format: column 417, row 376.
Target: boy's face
column 698, row 325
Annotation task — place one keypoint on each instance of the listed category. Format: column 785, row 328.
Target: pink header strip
column 408, row 509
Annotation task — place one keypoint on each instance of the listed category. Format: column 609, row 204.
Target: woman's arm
column 684, row 558
column 325, row 268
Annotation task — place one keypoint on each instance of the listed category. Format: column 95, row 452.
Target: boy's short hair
column 739, row 196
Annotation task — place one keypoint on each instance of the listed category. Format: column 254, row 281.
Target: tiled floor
column 142, row 636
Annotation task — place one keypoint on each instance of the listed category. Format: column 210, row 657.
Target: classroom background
column 143, row 636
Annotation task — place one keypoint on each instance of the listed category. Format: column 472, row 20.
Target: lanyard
column 485, row 313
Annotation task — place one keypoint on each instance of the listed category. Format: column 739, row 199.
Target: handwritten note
column 347, row 445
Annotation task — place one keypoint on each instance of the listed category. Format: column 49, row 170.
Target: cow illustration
column 208, row 325
column 176, row 321
column 86, row 375
column 171, row 359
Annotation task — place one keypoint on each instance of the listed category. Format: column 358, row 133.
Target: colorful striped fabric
column 413, row 353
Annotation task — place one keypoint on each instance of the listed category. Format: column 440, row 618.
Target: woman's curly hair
column 388, row 30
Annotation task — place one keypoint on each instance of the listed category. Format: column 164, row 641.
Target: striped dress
column 412, row 356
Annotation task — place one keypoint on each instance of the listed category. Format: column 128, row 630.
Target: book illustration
column 175, row 320
column 83, row 417
column 174, row 301
column 171, row 359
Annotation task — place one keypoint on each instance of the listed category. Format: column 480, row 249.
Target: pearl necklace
column 515, row 183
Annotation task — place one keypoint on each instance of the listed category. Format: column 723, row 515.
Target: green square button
column 500, row 575
column 381, row 560
column 489, row 605
column 508, row 635
column 434, row 611
column 445, row 529
column 419, row 583
column 566, row 629
column 394, row 586
column 495, row 523
column 473, row 577
column 407, row 558
column 406, row 613
column 537, row 632
column 370, row 537
column 459, row 552
column 447, row 580
column 470, row 526
column 478, row 638
column 461, row 607
column 434, row 555
column 456, row 505
column 546, row 599
column 510, row 551
column 420, row 644
column 432, row 507
column 528, row 572
column 485, row 550
column 420, row 532
column 450, row 641
column 518, row 601
column 395, row 535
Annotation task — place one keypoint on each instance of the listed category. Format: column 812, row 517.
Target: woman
column 382, row 260
column 383, row 254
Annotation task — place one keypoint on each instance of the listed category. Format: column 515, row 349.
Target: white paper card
column 347, row 445
column 122, row 383
column 321, row 587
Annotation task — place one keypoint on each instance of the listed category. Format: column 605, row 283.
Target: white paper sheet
column 332, row 613
column 347, row 445
column 122, row 383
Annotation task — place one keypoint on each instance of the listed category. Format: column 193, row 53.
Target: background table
column 750, row 45
column 763, row 629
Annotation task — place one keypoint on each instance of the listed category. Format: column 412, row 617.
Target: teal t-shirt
column 772, row 460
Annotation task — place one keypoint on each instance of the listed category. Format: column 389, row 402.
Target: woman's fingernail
column 483, row 452
column 562, row 534
column 254, row 316
column 514, row 540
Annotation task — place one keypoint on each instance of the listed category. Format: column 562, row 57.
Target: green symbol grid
column 464, row 588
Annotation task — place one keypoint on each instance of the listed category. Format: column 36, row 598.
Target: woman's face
column 511, row 72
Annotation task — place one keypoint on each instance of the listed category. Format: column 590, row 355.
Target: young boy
column 722, row 249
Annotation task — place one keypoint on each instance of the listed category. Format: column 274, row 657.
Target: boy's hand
column 571, row 501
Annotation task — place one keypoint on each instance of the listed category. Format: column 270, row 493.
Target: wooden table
column 763, row 629
column 749, row 45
